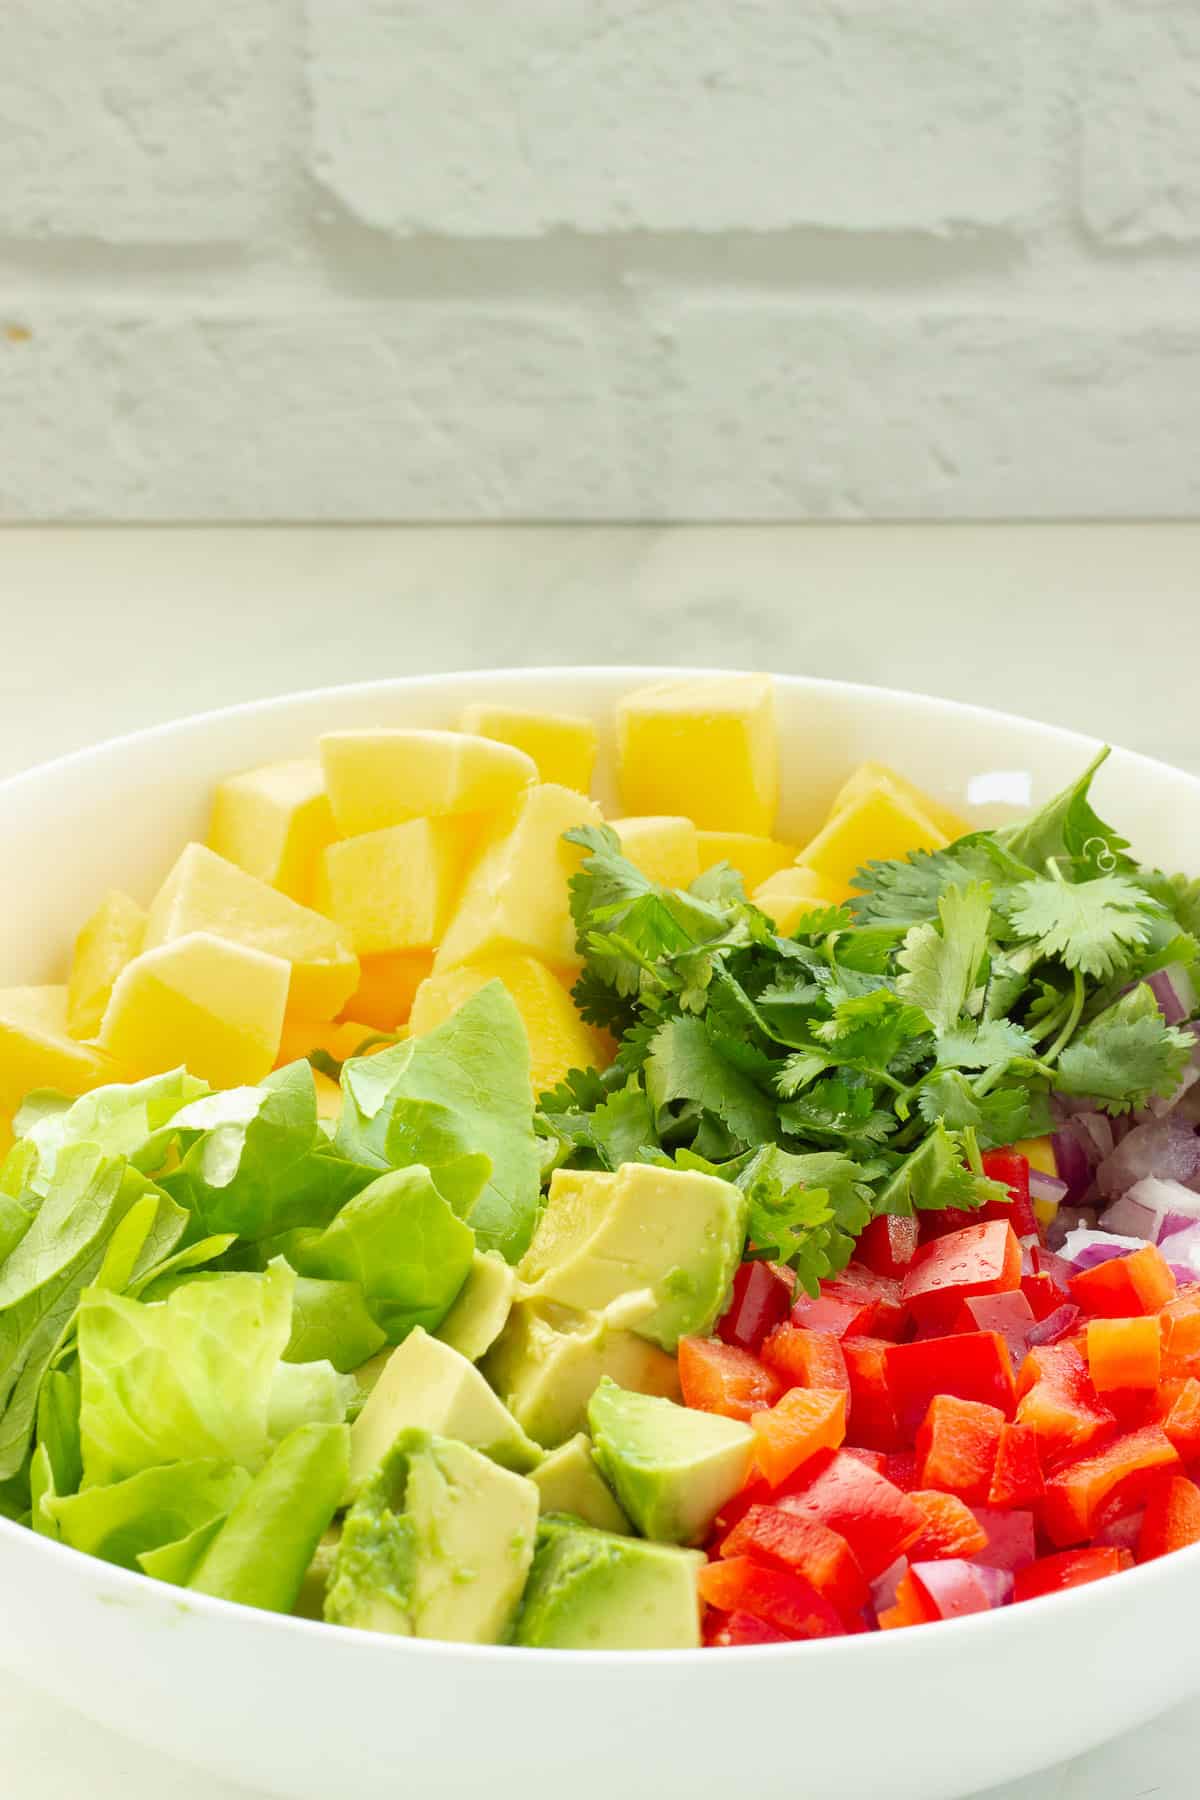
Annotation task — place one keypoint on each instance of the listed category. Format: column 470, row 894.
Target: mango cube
column 329, row 1097
column 558, row 1038
column 203, row 892
column 880, row 826
column 339, row 1041
column 111, row 938
column 7, row 1140
column 790, row 894
column 562, row 746
column 274, row 822
column 381, row 778
column 871, row 775
column 515, row 897
column 394, row 889
column 386, row 987
column 36, row 1050
column 665, row 850
column 214, row 1005
column 704, row 746
column 755, row 858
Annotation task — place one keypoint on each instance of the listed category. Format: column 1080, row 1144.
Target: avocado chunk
column 310, row 1602
column 484, row 1302
column 678, row 1232
column 673, row 1469
column 568, row 1481
column 428, row 1386
column 589, row 1590
column 438, row 1545
column 549, row 1359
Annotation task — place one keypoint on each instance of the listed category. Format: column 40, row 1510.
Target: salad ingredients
column 568, row 1481
column 274, row 822
column 591, row 1590
column 672, row 1469
column 562, row 745
column 704, row 748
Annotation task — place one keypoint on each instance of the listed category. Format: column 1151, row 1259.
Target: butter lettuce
column 132, row 1120
column 125, row 1519
column 331, row 1323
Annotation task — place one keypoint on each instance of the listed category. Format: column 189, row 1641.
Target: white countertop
column 104, row 630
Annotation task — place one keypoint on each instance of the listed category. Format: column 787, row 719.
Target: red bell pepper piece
column 982, row 1259
column 1180, row 1324
column 1072, row 1568
column 1182, row 1423
column 876, row 1519
column 912, row 1606
column 1075, row 1494
column 951, row 1528
column 806, row 1358
column 1059, row 1403
column 805, row 1421
column 1171, row 1520
column 1125, row 1285
column 1011, row 1538
column 957, row 1444
column 888, row 1245
column 1011, row 1169
column 833, row 1313
column 975, row 1366
column 1044, row 1295
column 720, row 1378
column 902, row 1470
column 954, row 1588
column 762, row 1295
column 806, row 1547
column 858, row 1284
column 1124, row 1353
column 872, row 1459
column 784, row 1599
column 1017, row 1476
column 1010, row 1314
column 872, row 1410
column 738, row 1629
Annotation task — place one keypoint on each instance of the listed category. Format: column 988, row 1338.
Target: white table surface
column 104, row 630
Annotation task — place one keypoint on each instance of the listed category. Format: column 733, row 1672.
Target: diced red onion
column 1012, row 1539
column 998, row 1583
column 1050, row 1189
column 1066, row 1220
column 1060, row 1271
column 1073, row 1163
column 1009, row 1314
column 1183, row 1273
column 1182, row 1250
column 1087, row 1248
column 1099, row 1128
column 1055, row 1325
column 1165, row 1149
column 955, row 1587
column 1123, row 1533
column 1128, row 1218
column 1158, row 1107
column 1175, row 992
column 883, row 1588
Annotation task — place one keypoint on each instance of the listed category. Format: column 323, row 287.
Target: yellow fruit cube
column 788, row 895
column 203, row 892
column 1039, row 1153
column 871, row 775
column 274, row 822
column 339, row 1041
column 329, row 1097
column 214, row 1005
column 381, row 778
column 880, row 826
column 755, row 858
column 7, row 1140
column 704, row 746
column 394, row 889
column 111, row 938
column 386, row 986
column 515, row 897
column 665, row 850
column 36, row 1050
column 558, row 1038
column 562, row 746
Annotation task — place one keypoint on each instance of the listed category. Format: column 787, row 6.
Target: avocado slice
column 548, row 1359
column 429, row 1386
column 673, row 1469
column 438, row 1545
column 677, row 1232
column 310, row 1603
column 568, row 1481
column 589, row 1590
column 484, row 1302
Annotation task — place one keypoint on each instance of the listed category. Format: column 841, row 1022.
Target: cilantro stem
column 1068, row 1031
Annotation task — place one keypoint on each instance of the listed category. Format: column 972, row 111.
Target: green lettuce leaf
column 331, row 1323
column 132, row 1120
column 122, row 1520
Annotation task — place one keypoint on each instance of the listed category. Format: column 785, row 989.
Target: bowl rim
column 139, row 1589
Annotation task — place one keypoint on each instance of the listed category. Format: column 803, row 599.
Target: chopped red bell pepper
column 951, row 1528
column 1011, row 1538
column 1071, row 1568
column 762, row 1296
column 858, row 1284
column 1011, row 1169
column 954, row 1588
column 982, row 1259
column 1182, row 1423
column 1180, row 1324
column 1017, row 1476
column 957, row 1444
column 806, row 1358
column 1043, row 1294
column 785, row 1600
column 803, row 1422
column 902, row 1471
column 1171, row 1520
column 974, row 1366
column 806, row 1547
column 874, row 1459
column 876, row 1519
column 833, row 1313
column 872, row 1410
column 888, row 1245
column 912, row 1606
column 1124, row 1353
column 739, row 1628
column 1059, row 1403
column 1075, row 1494
column 720, row 1378
column 1125, row 1285
column 1010, row 1314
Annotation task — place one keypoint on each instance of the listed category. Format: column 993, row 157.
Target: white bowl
column 315, row 1712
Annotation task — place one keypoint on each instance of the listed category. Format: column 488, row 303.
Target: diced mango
column 562, row 746
column 879, row 826
column 7, row 1140
column 329, row 1097
column 394, row 889
column 788, row 895
column 381, row 778
column 665, row 850
column 755, row 858
column 36, row 1050
column 203, row 892
column 1039, row 1153
column 515, row 897
column 702, row 746
column 871, row 775
column 207, row 1002
column 558, row 1038
column 274, row 822
column 111, row 938
column 386, row 986
column 339, row 1041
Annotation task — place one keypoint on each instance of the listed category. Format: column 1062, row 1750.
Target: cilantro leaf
column 992, row 1044
column 1093, row 926
column 900, row 894
column 834, row 1108
column 684, row 1064
column 934, row 1176
column 1127, row 1055
column 940, row 967
column 867, row 1030
column 1068, row 829
column 1004, row 1116
column 778, row 1219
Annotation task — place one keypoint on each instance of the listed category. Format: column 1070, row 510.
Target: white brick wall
column 599, row 258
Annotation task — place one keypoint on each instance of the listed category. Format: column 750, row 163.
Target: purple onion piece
column 1128, row 1217
column 1055, row 1325
column 1049, row 1188
column 1175, row 992
column 1073, row 1164
column 883, row 1588
column 997, row 1583
column 1122, row 1534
